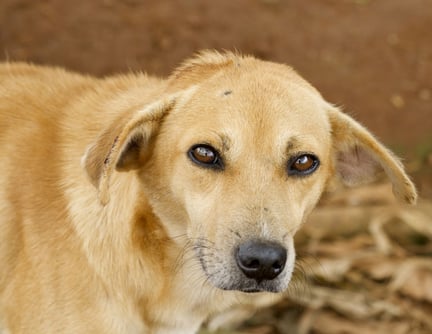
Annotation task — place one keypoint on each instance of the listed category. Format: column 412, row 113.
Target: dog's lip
column 245, row 290
column 252, row 290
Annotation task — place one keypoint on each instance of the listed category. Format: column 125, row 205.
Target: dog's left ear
column 124, row 145
column 359, row 157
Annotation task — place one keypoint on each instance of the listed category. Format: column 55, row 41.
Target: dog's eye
column 206, row 156
column 303, row 164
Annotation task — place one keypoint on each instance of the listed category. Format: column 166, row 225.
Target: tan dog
column 137, row 205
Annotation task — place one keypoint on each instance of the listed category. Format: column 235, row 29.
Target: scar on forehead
column 292, row 144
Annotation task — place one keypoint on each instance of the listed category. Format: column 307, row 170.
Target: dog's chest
column 173, row 320
column 188, row 305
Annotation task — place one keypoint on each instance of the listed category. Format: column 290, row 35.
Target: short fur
column 108, row 226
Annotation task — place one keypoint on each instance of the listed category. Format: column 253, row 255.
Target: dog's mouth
column 248, row 287
column 251, row 287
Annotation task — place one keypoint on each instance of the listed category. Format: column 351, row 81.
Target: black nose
column 261, row 260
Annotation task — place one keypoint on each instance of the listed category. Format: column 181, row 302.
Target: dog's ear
column 124, row 145
column 359, row 157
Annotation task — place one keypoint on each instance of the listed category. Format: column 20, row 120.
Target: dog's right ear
column 124, row 145
column 359, row 157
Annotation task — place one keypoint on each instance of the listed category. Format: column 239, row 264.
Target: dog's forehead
column 256, row 100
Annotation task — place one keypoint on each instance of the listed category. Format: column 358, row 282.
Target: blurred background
column 364, row 261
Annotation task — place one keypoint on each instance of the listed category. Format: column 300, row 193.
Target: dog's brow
column 226, row 142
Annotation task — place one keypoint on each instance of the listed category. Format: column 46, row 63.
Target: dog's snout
column 261, row 260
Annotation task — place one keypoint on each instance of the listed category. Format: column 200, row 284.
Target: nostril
column 261, row 260
column 254, row 264
column 277, row 265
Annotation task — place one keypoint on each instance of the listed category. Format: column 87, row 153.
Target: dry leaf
column 372, row 194
column 414, row 279
column 332, row 270
column 330, row 323
column 378, row 267
column 351, row 304
column 419, row 218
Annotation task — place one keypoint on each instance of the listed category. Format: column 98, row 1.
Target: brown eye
column 303, row 164
column 206, row 156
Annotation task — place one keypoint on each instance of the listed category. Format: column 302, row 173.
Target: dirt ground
column 373, row 57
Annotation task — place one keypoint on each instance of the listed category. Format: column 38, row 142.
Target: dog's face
column 244, row 161
column 236, row 159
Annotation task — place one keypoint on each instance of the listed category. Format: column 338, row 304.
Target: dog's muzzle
column 255, row 265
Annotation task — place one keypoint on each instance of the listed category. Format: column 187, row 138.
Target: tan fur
column 103, row 215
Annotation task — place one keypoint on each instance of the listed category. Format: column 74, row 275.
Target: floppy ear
column 123, row 146
column 359, row 157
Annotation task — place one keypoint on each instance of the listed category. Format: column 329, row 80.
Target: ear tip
column 411, row 198
column 408, row 194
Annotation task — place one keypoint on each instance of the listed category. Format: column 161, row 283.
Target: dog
column 132, row 204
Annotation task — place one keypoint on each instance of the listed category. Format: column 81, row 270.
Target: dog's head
column 235, row 156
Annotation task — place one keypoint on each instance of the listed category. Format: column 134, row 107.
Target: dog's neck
column 172, row 260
